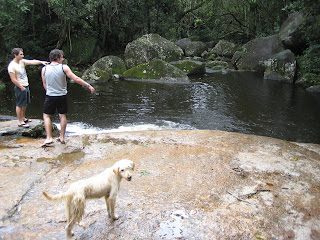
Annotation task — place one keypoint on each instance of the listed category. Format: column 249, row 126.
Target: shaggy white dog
column 105, row 184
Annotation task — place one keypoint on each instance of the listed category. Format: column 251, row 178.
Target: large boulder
column 292, row 32
column 256, row 51
column 224, row 49
column 281, row 67
column 195, row 49
column 190, row 67
column 150, row 47
column 39, row 131
column 183, row 43
column 156, row 70
column 104, row 68
column 314, row 89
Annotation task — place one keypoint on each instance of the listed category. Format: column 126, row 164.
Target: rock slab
column 193, row 184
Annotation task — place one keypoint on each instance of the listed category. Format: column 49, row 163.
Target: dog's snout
column 129, row 178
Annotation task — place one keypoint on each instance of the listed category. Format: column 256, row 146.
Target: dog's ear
column 116, row 171
column 133, row 166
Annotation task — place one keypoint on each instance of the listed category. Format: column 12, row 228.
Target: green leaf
column 261, row 237
column 144, row 173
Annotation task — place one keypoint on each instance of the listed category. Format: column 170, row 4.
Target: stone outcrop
column 183, row 43
column 281, row 67
column 104, row 69
column 156, row 70
column 292, row 33
column 224, row 49
column 256, row 51
column 9, row 126
column 186, row 185
column 195, row 49
column 150, row 47
column 314, row 89
column 39, row 131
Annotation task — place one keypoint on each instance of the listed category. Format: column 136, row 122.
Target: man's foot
column 46, row 144
column 27, row 120
column 62, row 142
column 24, row 125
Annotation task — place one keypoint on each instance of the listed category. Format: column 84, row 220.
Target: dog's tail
column 60, row 196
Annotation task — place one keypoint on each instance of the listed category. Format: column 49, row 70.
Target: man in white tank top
column 18, row 76
column 54, row 82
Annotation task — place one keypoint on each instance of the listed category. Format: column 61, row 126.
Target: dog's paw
column 115, row 217
column 70, row 235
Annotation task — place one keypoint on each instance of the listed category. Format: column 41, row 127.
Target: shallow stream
column 236, row 101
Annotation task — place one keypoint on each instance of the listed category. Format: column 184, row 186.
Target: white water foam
column 79, row 128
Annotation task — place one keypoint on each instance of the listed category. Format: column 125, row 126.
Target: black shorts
column 52, row 103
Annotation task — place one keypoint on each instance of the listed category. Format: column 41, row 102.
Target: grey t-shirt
column 55, row 80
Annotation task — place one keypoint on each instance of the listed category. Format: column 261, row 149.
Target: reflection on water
column 237, row 102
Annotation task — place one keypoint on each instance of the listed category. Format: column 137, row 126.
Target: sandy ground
column 186, row 185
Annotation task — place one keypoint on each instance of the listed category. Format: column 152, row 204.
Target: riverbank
column 187, row 184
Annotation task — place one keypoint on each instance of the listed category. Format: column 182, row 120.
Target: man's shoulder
column 65, row 67
column 11, row 66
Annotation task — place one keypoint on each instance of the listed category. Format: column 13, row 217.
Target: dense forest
column 104, row 27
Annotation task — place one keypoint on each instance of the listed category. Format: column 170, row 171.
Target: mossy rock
column 217, row 65
column 104, row 68
column 190, row 67
column 150, row 47
column 82, row 51
column 40, row 132
column 282, row 67
column 156, row 70
column 224, row 48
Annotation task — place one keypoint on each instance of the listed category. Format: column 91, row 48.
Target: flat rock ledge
column 196, row 184
column 9, row 126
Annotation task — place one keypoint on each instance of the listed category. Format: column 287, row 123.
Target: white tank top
column 55, row 80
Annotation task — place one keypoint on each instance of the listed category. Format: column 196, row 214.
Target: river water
column 235, row 101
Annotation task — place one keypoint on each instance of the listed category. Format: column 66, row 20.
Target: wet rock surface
column 9, row 126
column 186, row 185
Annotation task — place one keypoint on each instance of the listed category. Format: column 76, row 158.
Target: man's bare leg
column 63, row 125
column 48, row 127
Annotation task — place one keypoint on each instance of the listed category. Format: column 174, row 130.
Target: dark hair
column 16, row 51
column 55, row 54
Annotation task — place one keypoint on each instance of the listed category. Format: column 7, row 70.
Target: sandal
column 27, row 120
column 46, row 144
column 62, row 142
column 24, row 125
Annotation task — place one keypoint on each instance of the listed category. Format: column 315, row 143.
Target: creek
column 235, row 101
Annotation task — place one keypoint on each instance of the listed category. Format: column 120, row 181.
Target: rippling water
column 236, row 102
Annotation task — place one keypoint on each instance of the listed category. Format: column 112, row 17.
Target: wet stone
column 195, row 184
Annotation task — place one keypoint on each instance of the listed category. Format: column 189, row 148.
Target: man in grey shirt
column 55, row 83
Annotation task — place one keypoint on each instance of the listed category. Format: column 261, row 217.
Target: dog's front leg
column 111, row 202
column 69, row 228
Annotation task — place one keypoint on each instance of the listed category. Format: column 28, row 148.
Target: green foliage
column 309, row 64
column 11, row 9
column 108, row 25
column 2, row 86
column 80, row 50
